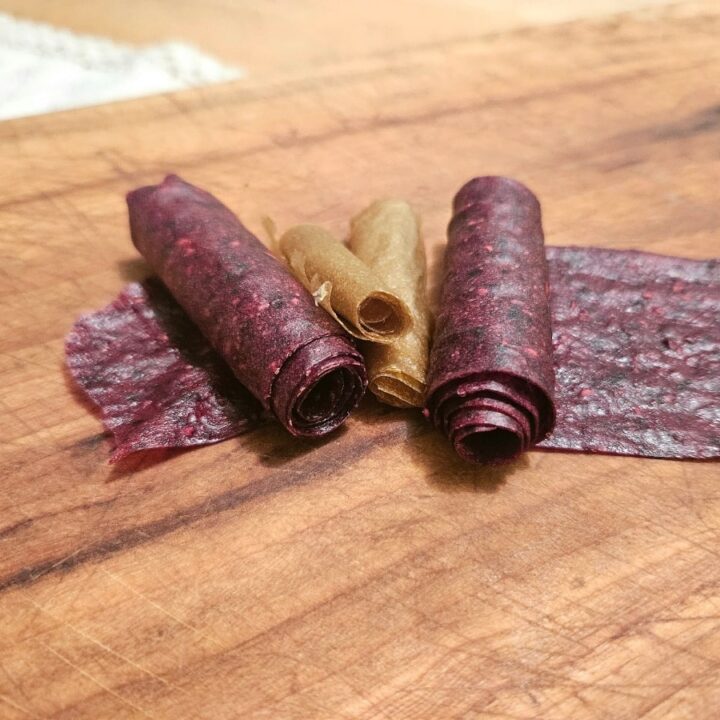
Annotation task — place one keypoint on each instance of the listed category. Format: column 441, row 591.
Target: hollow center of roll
column 322, row 400
column 380, row 314
column 490, row 445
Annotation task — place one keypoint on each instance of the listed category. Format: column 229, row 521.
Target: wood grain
column 274, row 38
column 372, row 575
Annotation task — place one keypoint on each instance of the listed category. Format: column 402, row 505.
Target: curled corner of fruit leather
column 344, row 286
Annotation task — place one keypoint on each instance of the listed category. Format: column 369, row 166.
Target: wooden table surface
column 372, row 575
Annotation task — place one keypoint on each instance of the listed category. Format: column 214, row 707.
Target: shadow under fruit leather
column 275, row 447
column 142, row 460
column 133, row 269
column 446, row 472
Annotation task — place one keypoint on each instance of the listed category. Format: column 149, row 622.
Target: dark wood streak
column 23, row 524
column 186, row 102
column 701, row 122
column 10, row 529
column 239, row 93
column 290, row 140
column 148, row 532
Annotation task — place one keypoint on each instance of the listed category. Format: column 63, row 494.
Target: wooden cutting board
column 372, row 575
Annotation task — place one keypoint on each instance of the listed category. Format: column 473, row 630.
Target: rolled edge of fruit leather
column 491, row 377
column 343, row 285
column 386, row 237
column 290, row 354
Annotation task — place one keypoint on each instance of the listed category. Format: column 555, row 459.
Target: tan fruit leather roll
column 344, row 286
column 386, row 237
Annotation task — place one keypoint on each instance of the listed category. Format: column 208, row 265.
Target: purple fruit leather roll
column 286, row 351
column 491, row 379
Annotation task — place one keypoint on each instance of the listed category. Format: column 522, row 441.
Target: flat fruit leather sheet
column 636, row 341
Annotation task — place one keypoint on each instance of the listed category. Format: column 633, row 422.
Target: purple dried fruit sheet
column 289, row 353
column 490, row 379
column 637, row 353
column 156, row 380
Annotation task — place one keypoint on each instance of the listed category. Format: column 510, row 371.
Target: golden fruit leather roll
column 386, row 237
column 344, row 285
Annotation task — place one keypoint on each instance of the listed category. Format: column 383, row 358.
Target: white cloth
column 43, row 68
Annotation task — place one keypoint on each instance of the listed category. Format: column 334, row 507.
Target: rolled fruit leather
column 491, row 378
column 344, row 286
column 386, row 237
column 289, row 353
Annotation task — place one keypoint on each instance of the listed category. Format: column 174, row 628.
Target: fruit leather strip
column 386, row 237
column 344, row 286
column 637, row 353
column 155, row 379
column 493, row 324
column 258, row 317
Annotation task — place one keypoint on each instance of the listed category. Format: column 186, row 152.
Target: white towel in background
column 43, row 68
